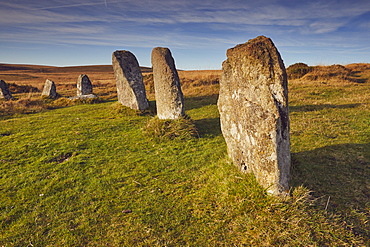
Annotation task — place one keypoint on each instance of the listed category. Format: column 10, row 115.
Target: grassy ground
column 87, row 175
column 331, row 148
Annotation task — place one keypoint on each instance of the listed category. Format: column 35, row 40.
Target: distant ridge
column 51, row 69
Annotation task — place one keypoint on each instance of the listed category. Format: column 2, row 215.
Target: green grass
column 87, row 175
column 331, row 148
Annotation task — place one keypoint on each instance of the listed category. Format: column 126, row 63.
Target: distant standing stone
column 168, row 94
column 84, row 86
column 129, row 80
column 49, row 89
column 253, row 105
column 4, row 91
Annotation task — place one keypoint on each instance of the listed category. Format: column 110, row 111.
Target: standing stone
column 84, row 86
column 130, row 86
column 168, row 94
column 253, row 105
column 4, row 91
column 49, row 89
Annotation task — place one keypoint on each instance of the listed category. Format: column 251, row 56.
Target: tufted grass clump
column 64, row 102
column 21, row 106
column 169, row 129
column 60, row 102
column 118, row 109
column 95, row 100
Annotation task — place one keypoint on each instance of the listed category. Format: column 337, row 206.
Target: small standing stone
column 49, row 89
column 84, row 86
column 253, row 105
column 168, row 94
column 130, row 87
column 4, row 91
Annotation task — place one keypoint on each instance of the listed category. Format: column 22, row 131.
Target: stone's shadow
column 208, row 127
column 306, row 108
column 198, row 102
column 340, row 171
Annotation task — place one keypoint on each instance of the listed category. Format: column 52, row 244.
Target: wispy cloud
column 320, row 27
column 313, row 16
column 13, row 15
column 90, row 22
column 185, row 24
column 71, row 5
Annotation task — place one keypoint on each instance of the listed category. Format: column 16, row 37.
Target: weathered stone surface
column 253, row 105
column 130, row 86
column 83, row 97
column 50, row 89
column 84, row 86
column 4, row 91
column 168, row 94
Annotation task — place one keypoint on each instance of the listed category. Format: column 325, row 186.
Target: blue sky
column 198, row 32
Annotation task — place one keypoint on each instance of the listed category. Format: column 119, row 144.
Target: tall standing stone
column 4, row 91
column 168, row 94
column 49, row 90
column 253, row 105
column 84, row 86
column 130, row 86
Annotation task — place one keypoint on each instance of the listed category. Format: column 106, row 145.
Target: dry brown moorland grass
column 65, row 78
column 193, row 83
column 23, row 79
column 333, row 74
column 102, row 77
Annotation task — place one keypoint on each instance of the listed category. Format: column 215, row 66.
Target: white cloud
column 71, row 5
column 320, row 27
column 315, row 16
column 146, row 23
column 16, row 14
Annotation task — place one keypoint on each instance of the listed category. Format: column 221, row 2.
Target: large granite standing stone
column 49, row 90
column 4, row 91
column 84, row 86
column 129, row 80
column 253, row 105
column 168, row 94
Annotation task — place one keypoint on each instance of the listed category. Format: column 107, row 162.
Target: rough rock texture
column 4, row 91
column 130, row 86
column 253, row 105
column 84, row 86
column 168, row 94
column 49, row 89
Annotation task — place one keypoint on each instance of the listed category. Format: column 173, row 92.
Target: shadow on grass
column 198, row 102
column 305, row 108
column 341, row 172
column 357, row 77
column 208, row 127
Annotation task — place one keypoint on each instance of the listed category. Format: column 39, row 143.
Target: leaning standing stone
column 168, row 94
column 4, row 91
column 84, row 86
column 253, row 105
column 49, row 90
column 130, row 86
